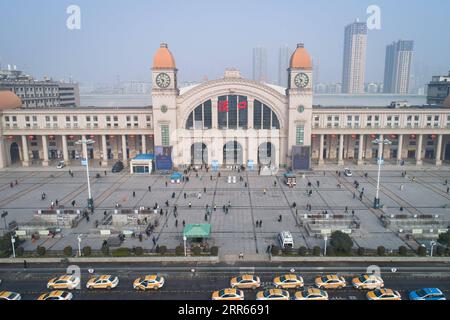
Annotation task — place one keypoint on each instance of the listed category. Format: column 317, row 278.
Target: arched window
column 232, row 112
column 201, row 117
column 264, row 117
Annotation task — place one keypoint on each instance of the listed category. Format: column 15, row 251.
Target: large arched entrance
column 14, row 152
column 232, row 153
column 266, row 154
column 199, row 154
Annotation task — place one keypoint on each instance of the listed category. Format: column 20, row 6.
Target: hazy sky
column 119, row 37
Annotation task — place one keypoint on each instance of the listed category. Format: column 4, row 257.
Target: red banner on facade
column 223, row 106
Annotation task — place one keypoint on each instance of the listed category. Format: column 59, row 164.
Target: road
column 183, row 284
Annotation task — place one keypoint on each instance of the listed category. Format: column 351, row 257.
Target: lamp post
column 79, row 244
column 432, row 244
column 184, row 240
column 380, row 143
column 325, row 238
column 13, row 241
column 87, row 142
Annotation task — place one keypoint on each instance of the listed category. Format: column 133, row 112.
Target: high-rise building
column 355, row 44
column 39, row 93
column 283, row 65
column 438, row 89
column 260, row 64
column 397, row 69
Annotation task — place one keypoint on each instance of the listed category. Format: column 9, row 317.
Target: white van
column 286, row 240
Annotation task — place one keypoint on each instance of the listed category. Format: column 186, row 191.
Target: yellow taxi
column 273, row 294
column 103, row 282
column 154, row 282
column 384, row 294
column 228, row 294
column 68, row 282
column 311, row 294
column 331, row 281
column 245, row 281
column 56, row 295
column 8, row 295
column 368, row 282
column 288, row 281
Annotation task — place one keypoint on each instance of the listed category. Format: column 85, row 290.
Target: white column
column 3, row 161
column 25, row 154
column 380, row 147
column 321, row 143
column 214, row 112
column 45, row 151
column 104, row 152
column 419, row 150
column 144, row 143
column 341, row 150
column 439, row 150
column 65, row 149
column 360, row 149
column 84, row 147
column 124, row 150
column 400, row 147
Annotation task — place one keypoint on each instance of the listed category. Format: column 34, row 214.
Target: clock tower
column 164, row 98
column 299, row 93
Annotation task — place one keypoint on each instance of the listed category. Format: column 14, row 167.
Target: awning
column 176, row 176
column 197, row 231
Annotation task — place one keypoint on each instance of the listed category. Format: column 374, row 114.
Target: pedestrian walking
column 73, row 203
column 353, row 213
column 149, row 189
column 448, row 189
column 166, row 183
column 176, row 223
column 134, row 194
column 241, row 255
column 154, row 240
column 184, row 223
column 401, row 187
column 25, row 264
column 190, row 205
column 56, row 202
column 318, row 183
column 354, row 195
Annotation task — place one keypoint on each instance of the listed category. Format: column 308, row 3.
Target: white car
column 68, row 282
column 348, row 172
column 7, row 295
column 61, row 165
column 368, row 282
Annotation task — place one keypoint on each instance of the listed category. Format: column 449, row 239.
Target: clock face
column 164, row 109
column 163, row 80
column 300, row 109
column 301, row 80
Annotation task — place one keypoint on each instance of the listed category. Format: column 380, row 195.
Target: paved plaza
column 236, row 231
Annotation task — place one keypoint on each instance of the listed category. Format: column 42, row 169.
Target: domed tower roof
column 300, row 58
column 163, row 58
column 9, row 100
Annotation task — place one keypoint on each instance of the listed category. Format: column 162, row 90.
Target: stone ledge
column 360, row 259
column 111, row 259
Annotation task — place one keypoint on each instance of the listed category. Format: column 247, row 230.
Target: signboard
column 417, row 231
column 215, row 165
column 83, row 162
column 380, row 161
column 301, row 157
column 250, row 165
column 163, row 156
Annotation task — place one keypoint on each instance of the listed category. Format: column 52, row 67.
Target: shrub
column 331, row 251
column 381, row 251
column 422, row 251
column 317, row 251
column 179, row 251
column 302, row 251
column 341, row 242
column 157, row 248
column 214, row 251
column 440, row 250
column 444, row 238
column 121, row 252
column 87, row 251
column 275, row 250
column 139, row 251
column 162, row 250
column 68, row 251
column 361, row 251
column 20, row 251
column 196, row 251
column 402, row 251
column 41, row 250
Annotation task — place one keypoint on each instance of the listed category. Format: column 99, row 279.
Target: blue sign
column 215, row 165
column 83, row 162
column 250, row 165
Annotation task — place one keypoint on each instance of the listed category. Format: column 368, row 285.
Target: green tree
column 317, row 251
column 214, row 251
column 139, row 251
column 381, row 251
column 68, row 251
column 444, row 239
column 402, row 251
column 422, row 251
column 179, row 251
column 302, row 251
column 341, row 242
column 41, row 250
column 86, row 251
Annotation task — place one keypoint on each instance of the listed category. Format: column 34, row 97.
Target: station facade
column 226, row 122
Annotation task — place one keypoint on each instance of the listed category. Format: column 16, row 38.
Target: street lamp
column 325, row 238
column 79, row 244
column 184, row 240
column 432, row 244
column 13, row 241
column 87, row 142
column 380, row 143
